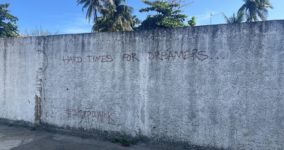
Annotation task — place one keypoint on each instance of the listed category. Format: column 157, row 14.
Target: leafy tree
column 8, row 27
column 168, row 15
column 114, row 17
column 239, row 18
column 109, row 15
column 255, row 9
column 135, row 22
column 93, row 8
column 192, row 22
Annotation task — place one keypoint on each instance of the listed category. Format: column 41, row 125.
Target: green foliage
column 93, row 7
column 167, row 15
column 239, row 18
column 109, row 15
column 8, row 27
column 135, row 22
column 255, row 10
column 114, row 17
column 192, row 22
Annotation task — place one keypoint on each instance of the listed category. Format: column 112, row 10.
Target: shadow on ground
column 19, row 138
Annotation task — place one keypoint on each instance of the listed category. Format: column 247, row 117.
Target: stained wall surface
column 19, row 78
column 220, row 85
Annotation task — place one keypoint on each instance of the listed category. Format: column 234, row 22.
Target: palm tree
column 114, row 17
column 255, row 9
column 239, row 18
column 93, row 8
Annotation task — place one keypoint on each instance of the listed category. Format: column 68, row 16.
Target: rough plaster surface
column 19, row 64
column 218, row 85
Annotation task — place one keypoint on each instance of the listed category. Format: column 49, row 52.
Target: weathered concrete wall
column 19, row 66
column 218, row 85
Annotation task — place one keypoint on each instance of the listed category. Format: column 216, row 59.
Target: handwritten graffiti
column 173, row 55
column 103, row 58
column 89, row 59
column 102, row 116
column 194, row 54
column 130, row 57
column 72, row 59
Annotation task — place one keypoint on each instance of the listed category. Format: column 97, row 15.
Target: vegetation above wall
column 117, row 15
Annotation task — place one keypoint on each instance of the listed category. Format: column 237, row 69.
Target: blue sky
column 65, row 16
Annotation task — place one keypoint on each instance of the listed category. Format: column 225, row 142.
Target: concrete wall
column 220, row 86
column 19, row 65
